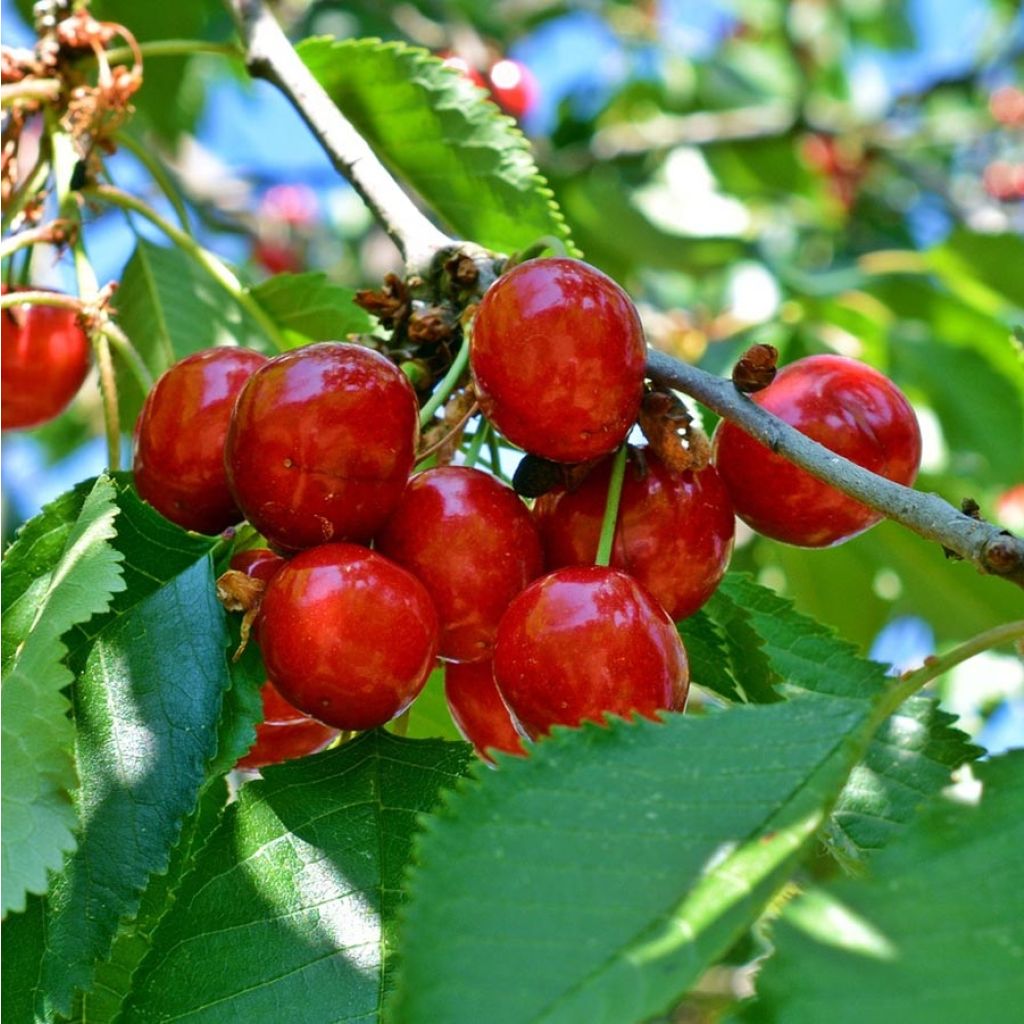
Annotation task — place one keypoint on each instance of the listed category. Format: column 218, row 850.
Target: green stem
column 494, row 453
column 58, row 300
column 122, row 345
column 159, row 174
column 30, row 186
column 611, row 508
column 170, row 48
column 473, row 451
column 65, row 157
column 218, row 270
column 447, row 385
column 909, row 684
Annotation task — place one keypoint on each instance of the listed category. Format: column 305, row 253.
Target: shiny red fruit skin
column 284, row 733
column 259, row 563
column 472, row 543
column 478, row 710
column 583, row 642
column 180, row 435
column 45, row 360
column 347, row 636
column 513, row 87
column 848, row 407
column 558, row 359
column 674, row 532
column 321, row 444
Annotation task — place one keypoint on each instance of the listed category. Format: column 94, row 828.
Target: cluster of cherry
column 374, row 575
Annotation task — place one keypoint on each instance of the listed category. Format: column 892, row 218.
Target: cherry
column 347, row 636
column 674, row 531
column 558, row 359
column 478, row 710
column 513, row 87
column 278, row 257
column 852, row 410
column 259, row 563
column 180, row 433
column 583, row 642
column 321, row 444
column 284, row 733
column 472, row 543
column 460, row 64
column 45, row 360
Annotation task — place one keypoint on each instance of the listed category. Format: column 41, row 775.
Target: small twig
column 54, row 233
column 30, row 89
column 987, row 547
column 270, row 56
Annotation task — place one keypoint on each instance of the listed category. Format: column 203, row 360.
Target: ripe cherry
column 558, row 359
column 321, row 444
column 472, row 543
column 259, row 563
column 180, row 433
column 852, row 410
column 587, row 641
column 45, row 360
column 284, row 733
column 674, row 532
column 460, row 64
column 478, row 710
column 347, row 636
column 513, row 87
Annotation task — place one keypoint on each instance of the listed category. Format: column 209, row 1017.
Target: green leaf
column 291, row 902
column 912, row 755
column 37, row 763
column 147, row 705
column 170, row 307
column 312, row 306
column 434, row 128
column 967, row 259
column 114, row 977
column 596, row 879
column 934, row 935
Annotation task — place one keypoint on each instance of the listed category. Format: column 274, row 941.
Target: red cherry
column 478, row 710
column 674, row 531
column 321, row 444
column 472, row 543
column 180, row 433
column 852, row 410
column 284, row 733
column 278, row 257
column 513, row 87
column 347, row 636
column 460, row 64
column 260, row 563
column 45, row 360
column 587, row 641
column 558, row 359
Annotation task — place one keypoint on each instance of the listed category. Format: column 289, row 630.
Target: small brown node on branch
column 239, row 592
column 390, row 305
column 971, row 508
column 756, row 368
column 1004, row 554
column 431, row 325
column 671, row 433
column 462, row 270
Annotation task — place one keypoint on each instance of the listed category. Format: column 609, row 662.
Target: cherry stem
column 494, row 453
column 30, row 89
column 911, row 682
column 447, row 385
column 217, row 269
column 65, row 159
column 30, row 187
column 43, row 235
column 990, row 549
column 159, row 174
column 477, row 442
column 269, row 55
column 58, row 300
column 171, row 48
column 122, row 345
column 611, row 508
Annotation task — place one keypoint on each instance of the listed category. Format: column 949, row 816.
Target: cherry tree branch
column 987, row 547
column 269, row 55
